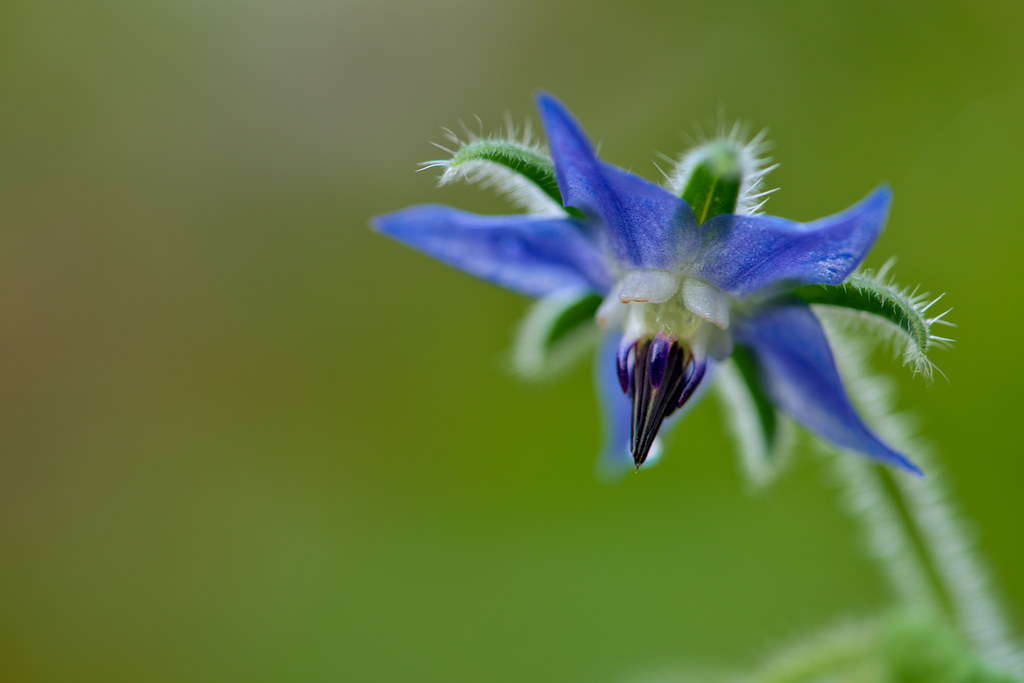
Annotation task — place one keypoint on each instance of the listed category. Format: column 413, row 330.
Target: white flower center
column 650, row 302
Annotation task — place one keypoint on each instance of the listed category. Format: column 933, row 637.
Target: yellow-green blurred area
column 243, row 438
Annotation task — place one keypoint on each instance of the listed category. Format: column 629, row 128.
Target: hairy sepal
column 905, row 314
column 723, row 175
column 559, row 329
column 518, row 169
column 761, row 433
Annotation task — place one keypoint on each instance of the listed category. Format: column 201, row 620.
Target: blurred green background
column 244, row 438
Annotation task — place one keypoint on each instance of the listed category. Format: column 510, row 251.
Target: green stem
column 913, row 529
column 889, row 540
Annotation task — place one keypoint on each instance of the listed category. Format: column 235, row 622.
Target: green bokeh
column 244, row 438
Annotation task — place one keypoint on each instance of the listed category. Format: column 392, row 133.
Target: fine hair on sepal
column 513, row 164
column 906, row 318
column 733, row 146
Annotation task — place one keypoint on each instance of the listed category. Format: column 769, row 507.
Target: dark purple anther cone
column 662, row 371
column 622, row 364
column 693, row 378
column 660, row 346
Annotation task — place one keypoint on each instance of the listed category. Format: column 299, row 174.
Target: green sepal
column 714, row 184
column 903, row 311
column 766, row 414
column 500, row 160
column 919, row 648
column 558, row 329
column 759, row 429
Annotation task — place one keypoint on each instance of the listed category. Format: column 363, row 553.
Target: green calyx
column 557, row 330
column 905, row 313
column 715, row 182
column 767, row 419
column 516, row 168
column 761, row 433
column 514, row 156
column 724, row 175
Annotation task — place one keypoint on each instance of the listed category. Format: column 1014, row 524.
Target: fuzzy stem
column 913, row 528
column 888, row 539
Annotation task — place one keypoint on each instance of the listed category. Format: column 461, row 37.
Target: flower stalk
column 914, row 531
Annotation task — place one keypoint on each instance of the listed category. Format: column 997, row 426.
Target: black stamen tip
column 663, row 370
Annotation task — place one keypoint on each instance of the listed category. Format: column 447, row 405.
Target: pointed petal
column 531, row 255
column 646, row 225
column 745, row 254
column 616, row 412
column 798, row 373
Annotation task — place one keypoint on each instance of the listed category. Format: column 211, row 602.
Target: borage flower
column 680, row 279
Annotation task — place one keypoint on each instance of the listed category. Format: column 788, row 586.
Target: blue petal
column 646, row 225
column 799, row 374
column 615, row 409
column 744, row 254
column 531, row 255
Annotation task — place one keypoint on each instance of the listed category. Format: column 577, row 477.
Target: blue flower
column 683, row 287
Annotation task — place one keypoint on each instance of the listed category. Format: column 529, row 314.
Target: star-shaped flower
column 679, row 279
